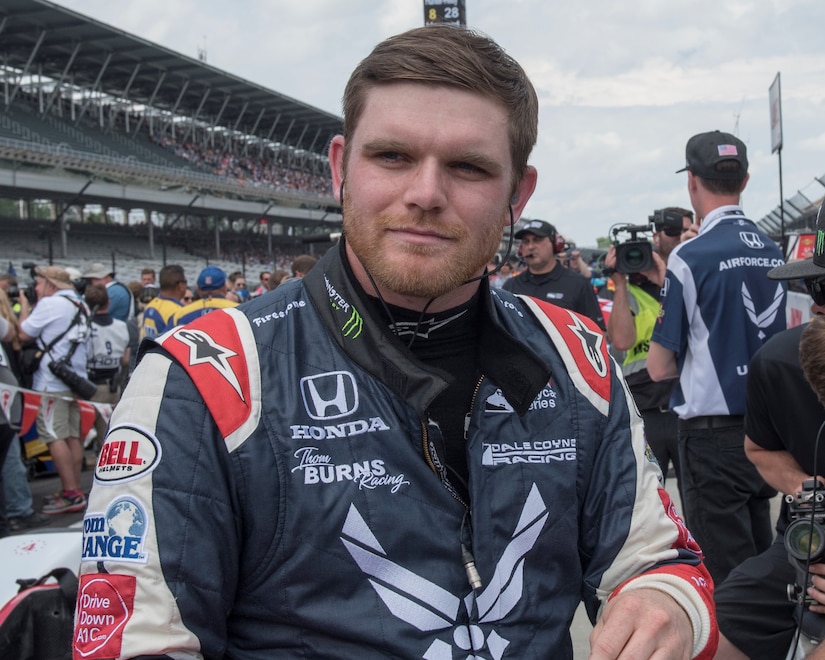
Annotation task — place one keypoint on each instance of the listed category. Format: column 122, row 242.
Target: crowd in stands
column 247, row 170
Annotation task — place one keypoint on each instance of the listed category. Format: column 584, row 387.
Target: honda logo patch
column 330, row 396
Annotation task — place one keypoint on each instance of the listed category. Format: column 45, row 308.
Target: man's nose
column 426, row 188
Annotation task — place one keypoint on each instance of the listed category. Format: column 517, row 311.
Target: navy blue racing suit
column 271, row 485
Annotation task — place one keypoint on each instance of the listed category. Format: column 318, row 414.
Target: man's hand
column 641, row 624
column 619, row 279
column 817, row 592
column 690, row 232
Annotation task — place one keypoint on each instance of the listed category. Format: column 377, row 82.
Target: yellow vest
column 645, row 320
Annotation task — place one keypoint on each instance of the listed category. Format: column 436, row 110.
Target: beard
column 421, row 271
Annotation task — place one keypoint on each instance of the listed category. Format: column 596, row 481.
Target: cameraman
column 52, row 322
column 782, row 420
column 630, row 326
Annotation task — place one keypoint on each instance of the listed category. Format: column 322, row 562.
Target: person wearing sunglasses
column 782, row 421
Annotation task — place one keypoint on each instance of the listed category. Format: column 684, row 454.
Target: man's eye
column 470, row 168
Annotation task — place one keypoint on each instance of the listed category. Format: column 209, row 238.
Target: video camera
column 805, row 535
column 805, row 543
column 667, row 221
column 634, row 254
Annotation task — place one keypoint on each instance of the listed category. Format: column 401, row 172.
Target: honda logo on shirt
column 751, row 239
column 330, row 395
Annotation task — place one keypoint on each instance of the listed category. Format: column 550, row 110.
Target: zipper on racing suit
column 440, row 469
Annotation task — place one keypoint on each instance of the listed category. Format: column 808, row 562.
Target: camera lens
column 805, row 539
column 635, row 258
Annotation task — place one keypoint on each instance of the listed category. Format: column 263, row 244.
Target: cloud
column 622, row 86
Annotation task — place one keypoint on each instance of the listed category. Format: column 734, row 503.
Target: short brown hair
column 170, row 276
column 726, row 186
column 96, row 297
column 812, row 355
column 452, row 57
column 303, row 263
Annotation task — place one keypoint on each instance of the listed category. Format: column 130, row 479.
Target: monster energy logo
column 820, row 243
column 352, row 328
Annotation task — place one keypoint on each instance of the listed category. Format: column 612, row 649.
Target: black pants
column 662, row 433
column 6, row 437
column 752, row 605
column 726, row 502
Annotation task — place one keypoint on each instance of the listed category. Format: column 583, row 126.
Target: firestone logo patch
column 128, row 452
column 104, row 604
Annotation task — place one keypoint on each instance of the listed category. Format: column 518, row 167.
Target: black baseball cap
column 811, row 267
column 706, row 150
column 538, row 227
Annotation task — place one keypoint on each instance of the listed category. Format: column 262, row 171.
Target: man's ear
column 336, row 164
column 524, row 190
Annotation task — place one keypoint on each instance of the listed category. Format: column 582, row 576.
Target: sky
column 621, row 86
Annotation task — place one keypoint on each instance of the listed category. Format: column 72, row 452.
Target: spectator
column 107, row 351
column 147, row 277
column 546, row 279
column 276, row 278
column 211, row 291
column 302, row 264
column 578, row 264
column 188, row 296
column 783, row 422
column 237, row 287
column 318, row 434
column 121, row 300
column 158, row 313
column 7, row 430
column 504, row 274
column 17, row 512
column 263, row 286
column 718, row 309
column 59, row 322
column 8, row 283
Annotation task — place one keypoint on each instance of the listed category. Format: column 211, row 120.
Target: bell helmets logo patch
column 128, row 452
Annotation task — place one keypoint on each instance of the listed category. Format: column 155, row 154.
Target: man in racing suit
column 386, row 458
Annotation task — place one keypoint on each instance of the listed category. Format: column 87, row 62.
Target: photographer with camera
column 782, row 420
column 718, row 309
column 59, row 322
column 638, row 274
column 546, row 278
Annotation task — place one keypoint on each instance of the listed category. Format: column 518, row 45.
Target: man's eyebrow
column 379, row 145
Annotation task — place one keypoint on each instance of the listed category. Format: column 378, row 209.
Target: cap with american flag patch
column 704, row 153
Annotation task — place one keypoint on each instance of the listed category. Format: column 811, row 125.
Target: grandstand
column 146, row 156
